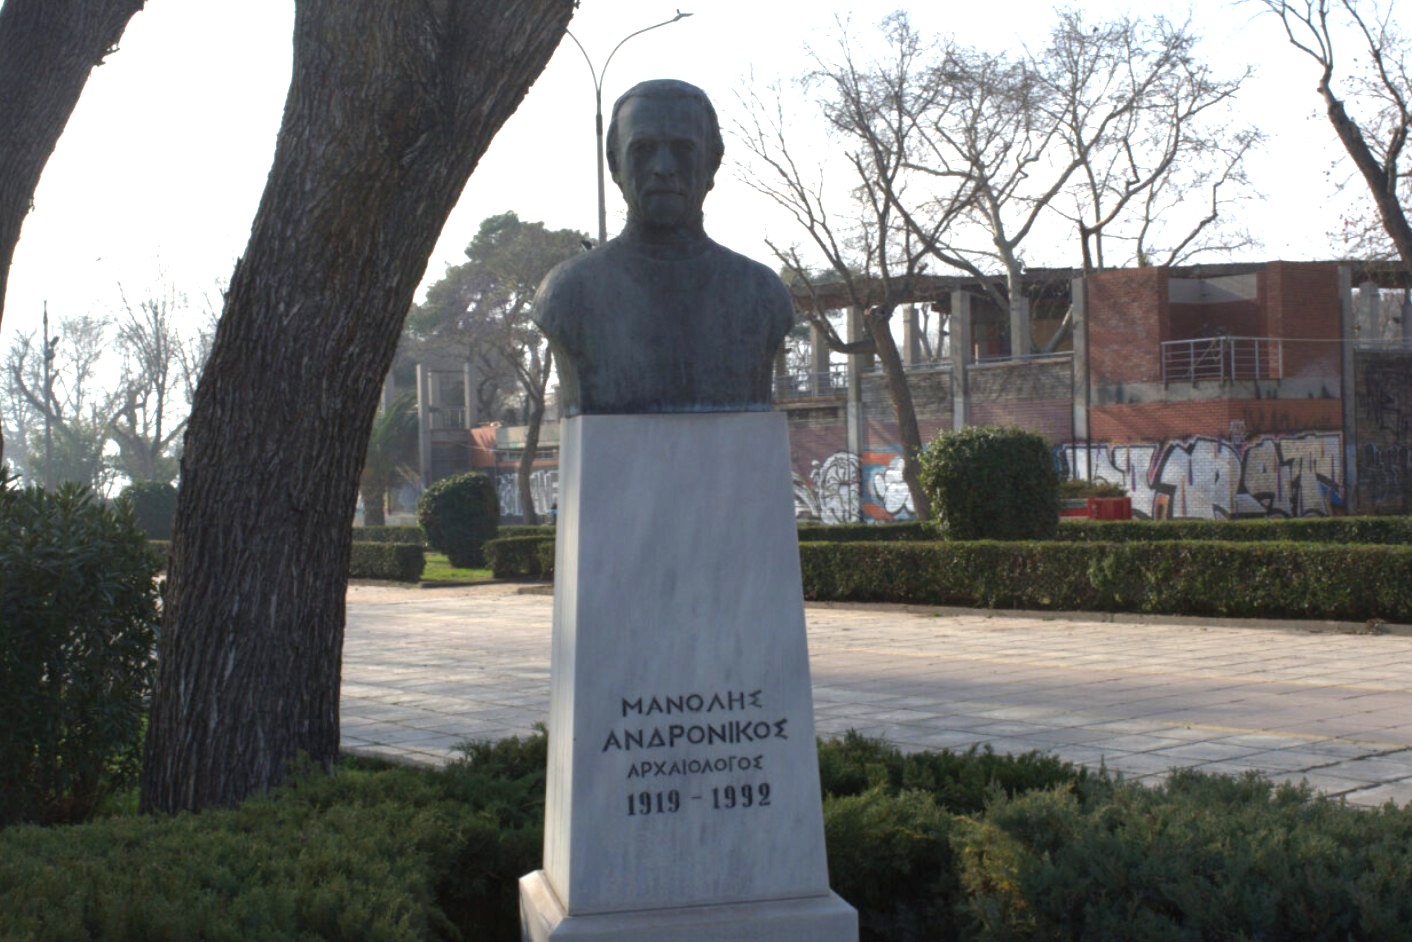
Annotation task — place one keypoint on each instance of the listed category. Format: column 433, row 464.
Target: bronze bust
column 661, row 318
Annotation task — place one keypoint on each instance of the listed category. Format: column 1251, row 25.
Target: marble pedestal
column 683, row 791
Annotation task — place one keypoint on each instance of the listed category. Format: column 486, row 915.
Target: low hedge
column 1380, row 530
column 1242, row 580
column 400, row 562
column 521, row 557
column 518, row 529
column 911, row 531
column 407, row 534
column 545, row 552
column 963, row 846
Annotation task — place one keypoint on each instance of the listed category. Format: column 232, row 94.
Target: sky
column 156, row 180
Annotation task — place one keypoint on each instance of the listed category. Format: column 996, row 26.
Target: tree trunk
column 526, row 466
column 896, row 375
column 390, row 106
column 47, row 50
column 535, row 421
column 1382, row 185
column 1020, row 344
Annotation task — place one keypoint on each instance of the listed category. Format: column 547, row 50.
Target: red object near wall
column 1110, row 508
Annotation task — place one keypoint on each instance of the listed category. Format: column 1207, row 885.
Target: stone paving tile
column 427, row 669
column 1193, row 752
column 1399, row 793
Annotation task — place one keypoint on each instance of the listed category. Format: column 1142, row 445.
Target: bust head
column 664, row 147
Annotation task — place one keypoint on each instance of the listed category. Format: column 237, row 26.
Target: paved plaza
column 427, row 669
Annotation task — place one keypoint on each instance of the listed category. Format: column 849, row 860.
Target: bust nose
column 660, row 164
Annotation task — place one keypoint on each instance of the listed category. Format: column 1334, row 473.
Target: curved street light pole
column 598, row 110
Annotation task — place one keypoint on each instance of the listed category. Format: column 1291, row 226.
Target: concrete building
column 1274, row 389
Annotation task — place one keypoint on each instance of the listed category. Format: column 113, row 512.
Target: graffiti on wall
column 830, row 493
column 544, row 490
column 885, row 494
column 842, row 488
column 1277, row 476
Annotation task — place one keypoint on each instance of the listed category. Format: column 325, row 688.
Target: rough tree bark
column 878, row 322
column 47, row 50
column 391, row 104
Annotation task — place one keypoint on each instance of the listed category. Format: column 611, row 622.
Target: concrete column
column 1020, row 344
column 424, row 423
column 1368, row 324
column 853, row 409
column 911, row 337
column 1407, row 320
column 864, row 361
column 1078, row 322
column 1350, row 321
column 958, row 327
column 783, row 381
column 818, row 361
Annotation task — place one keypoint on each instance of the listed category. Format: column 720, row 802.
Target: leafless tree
column 72, row 405
column 1112, row 107
column 1372, row 110
column 160, row 367
column 391, row 105
column 47, row 50
column 871, row 257
column 1159, row 156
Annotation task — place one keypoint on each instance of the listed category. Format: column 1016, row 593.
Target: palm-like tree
column 390, row 445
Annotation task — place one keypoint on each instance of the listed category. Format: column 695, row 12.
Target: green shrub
column 389, row 534
column 356, row 856
column 1379, row 530
column 991, row 482
column 519, row 529
column 1202, row 857
column 153, row 506
column 1242, row 580
column 545, row 552
column 1039, row 852
column 400, row 562
column 906, row 532
column 459, row 515
column 78, row 625
column 890, row 857
column 959, row 782
column 517, row 557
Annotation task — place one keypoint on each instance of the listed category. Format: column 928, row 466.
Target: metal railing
column 441, row 417
column 805, row 383
column 1222, row 359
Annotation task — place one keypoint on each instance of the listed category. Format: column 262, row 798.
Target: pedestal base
column 815, row 919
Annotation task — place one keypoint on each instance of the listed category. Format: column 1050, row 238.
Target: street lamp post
column 598, row 111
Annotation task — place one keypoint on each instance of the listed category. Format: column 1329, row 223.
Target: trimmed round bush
column 992, row 483
column 78, row 629
column 459, row 514
column 154, row 507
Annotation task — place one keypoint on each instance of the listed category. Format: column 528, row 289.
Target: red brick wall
column 1159, row 421
column 1301, row 302
column 1127, row 322
column 1053, row 419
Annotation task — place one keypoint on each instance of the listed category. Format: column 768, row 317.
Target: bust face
column 663, row 167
